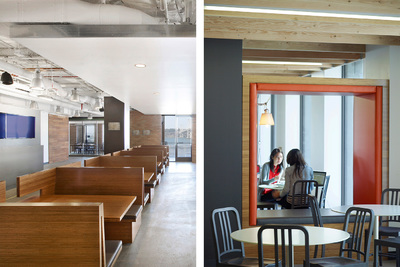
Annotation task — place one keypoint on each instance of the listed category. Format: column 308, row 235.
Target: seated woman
column 272, row 171
column 298, row 170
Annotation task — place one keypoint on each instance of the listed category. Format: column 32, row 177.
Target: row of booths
column 76, row 215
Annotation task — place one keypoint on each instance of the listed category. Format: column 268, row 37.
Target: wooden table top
column 148, row 176
column 115, row 206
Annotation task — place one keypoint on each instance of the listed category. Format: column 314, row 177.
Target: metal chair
column 301, row 191
column 390, row 196
column 363, row 225
column 284, row 231
column 324, row 189
column 393, row 242
column 230, row 252
column 317, row 219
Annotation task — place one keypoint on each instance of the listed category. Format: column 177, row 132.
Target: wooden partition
column 2, row 191
column 149, row 163
column 56, row 234
column 139, row 152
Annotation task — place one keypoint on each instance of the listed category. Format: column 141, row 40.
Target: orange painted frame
column 316, row 90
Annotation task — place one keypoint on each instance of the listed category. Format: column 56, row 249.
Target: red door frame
column 374, row 91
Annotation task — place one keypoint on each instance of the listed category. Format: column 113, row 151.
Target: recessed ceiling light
column 281, row 63
column 298, row 12
column 140, row 65
column 156, row 93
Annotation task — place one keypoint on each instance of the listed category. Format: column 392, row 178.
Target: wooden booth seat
column 55, row 234
column 159, row 153
column 92, row 183
column 149, row 163
column 2, row 191
column 164, row 147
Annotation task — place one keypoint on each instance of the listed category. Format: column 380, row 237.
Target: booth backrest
column 84, row 181
column 100, row 181
column 144, row 152
column 74, row 164
column 44, row 181
column 2, row 191
column 149, row 163
column 56, row 234
column 164, row 147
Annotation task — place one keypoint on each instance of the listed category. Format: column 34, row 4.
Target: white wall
column 333, row 148
column 394, row 112
column 127, row 136
column 292, row 123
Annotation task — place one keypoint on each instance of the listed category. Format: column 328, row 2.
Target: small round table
column 379, row 210
column 317, row 236
column 272, row 186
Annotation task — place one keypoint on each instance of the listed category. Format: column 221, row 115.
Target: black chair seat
column 336, row 261
column 389, row 231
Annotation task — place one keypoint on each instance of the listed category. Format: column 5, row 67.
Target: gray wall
column 23, row 155
column 114, row 111
column 222, row 132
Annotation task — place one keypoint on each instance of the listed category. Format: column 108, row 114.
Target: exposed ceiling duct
column 71, row 11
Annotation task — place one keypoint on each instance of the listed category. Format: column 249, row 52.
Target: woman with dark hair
column 272, row 171
column 298, row 170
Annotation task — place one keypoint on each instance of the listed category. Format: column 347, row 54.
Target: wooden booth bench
column 55, row 234
column 120, row 189
column 2, row 191
column 149, row 163
column 159, row 153
column 163, row 147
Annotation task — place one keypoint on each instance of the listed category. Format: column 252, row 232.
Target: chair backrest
column 391, row 196
column 225, row 221
column 283, row 235
column 324, row 189
column 317, row 219
column 360, row 233
column 301, row 190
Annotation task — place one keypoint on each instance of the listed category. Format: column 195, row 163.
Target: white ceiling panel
column 166, row 86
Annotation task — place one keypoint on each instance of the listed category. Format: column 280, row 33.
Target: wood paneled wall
column 141, row 122
column 58, row 138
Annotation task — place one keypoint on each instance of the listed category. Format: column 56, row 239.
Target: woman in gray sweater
column 298, row 170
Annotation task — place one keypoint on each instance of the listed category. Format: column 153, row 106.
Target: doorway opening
column 86, row 138
column 177, row 134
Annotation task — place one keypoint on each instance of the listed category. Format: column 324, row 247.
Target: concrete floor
column 167, row 236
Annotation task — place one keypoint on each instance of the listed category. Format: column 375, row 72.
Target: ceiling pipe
column 29, row 75
column 71, row 11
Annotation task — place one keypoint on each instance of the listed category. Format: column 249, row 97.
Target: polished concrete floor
column 167, row 236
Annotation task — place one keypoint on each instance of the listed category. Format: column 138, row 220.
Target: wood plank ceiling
column 329, row 41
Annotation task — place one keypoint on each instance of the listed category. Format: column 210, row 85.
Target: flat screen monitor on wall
column 16, row 126
column 2, row 125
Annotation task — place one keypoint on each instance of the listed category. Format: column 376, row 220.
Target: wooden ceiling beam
column 387, row 7
column 240, row 20
column 327, row 61
column 301, row 54
column 281, row 67
column 303, row 46
column 277, row 72
column 294, row 36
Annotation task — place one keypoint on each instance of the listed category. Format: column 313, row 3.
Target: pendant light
column 6, row 78
column 33, row 105
column 75, row 96
column 37, row 81
column 266, row 117
column 97, row 104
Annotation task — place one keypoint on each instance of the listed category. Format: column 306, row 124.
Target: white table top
column 272, row 186
column 317, row 236
column 379, row 209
